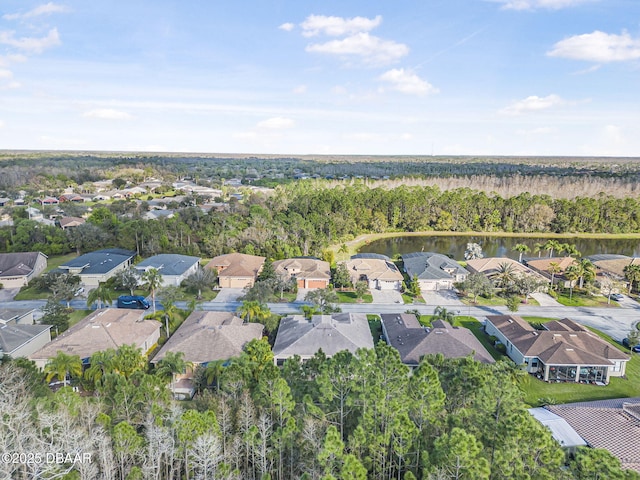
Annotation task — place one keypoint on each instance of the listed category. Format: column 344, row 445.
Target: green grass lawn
column 580, row 299
column 494, row 301
column 375, row 325
column 410, row 300
column 351, row 297
column 77, row 315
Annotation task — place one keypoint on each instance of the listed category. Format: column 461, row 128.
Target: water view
column 454, row 246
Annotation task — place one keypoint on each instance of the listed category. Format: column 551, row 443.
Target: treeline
column 304, row 218
column 362, row 416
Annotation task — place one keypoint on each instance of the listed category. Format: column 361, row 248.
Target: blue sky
column 408, row 77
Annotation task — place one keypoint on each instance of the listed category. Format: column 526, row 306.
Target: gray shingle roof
column 331, row 333
column 17, row 264
column 431, row 266
column 13, row 337
column 414, row 341
column 169, row 263
column 100, row 261
column 208, row 336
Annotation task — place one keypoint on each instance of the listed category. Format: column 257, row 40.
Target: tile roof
column 71, row 221
column 567, row 343
column 413, row 341
column 309, row 268
column 431, row 266
column 610, row 424
column 613, row 263
column 237, row 265
column 18, row 264
column 564, row 433
column 208, row 336
column 490, row 266
column 103, row 329
column 543, row 264
column 331, row 333
column 168, row 263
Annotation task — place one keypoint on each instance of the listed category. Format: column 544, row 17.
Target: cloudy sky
column 422, row 77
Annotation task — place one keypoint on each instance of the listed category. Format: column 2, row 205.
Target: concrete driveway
column 228, row 295
column 442, row 297
column 545, row 300
column 386, row 296
column 7, row 294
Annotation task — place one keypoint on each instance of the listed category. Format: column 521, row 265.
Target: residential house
column 72, row 197
column 96, row 267
column 174, row 268
column 543, row 267
column 16, row 316
column 377, row 270
column 48, row 201
column 563, row 352
column 434, row 271
column 206, row 337
column 612, row 266
column 70, row 222
column 4, row 201
column 329, row 333
column 308, row 272
column 413, row 341
column 17, row 269
column 157, row 214
column 17, row 340
column 103, row 329
column 237, row 270
column 492, row 265
column 562, row 432
column 610, row 424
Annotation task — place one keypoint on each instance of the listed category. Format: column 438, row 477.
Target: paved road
column 615, row 322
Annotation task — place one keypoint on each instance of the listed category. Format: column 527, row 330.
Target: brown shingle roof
column 237, row 265
column 208, row 336
column 491, row 266
column 543, row 264
column 309, row 268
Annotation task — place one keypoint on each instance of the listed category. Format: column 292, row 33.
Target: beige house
column 543, row 267
column 491, row 266
column 563, row 352
column 308, row 272
column 206, row 337
column 237, row 270
column 70, row 222
column 103, row 329
column 17, row 269
column 377, row 270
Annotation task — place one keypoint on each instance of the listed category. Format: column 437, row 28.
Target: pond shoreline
column 353, row 246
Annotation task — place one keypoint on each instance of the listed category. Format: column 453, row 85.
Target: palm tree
column 101, row 364
column 344, row 249
column 505, row 276
column 129, row 359
column 253, row 310
column 572, row 273
column 538, row 248
column 554, row 269
column 62, row 365
column 551, row 245
column 632, row 275
column 172, row 363
column 570, row 250
column 522, row 249
column 441, row 313
column 587, row 271
column 152, row 279
column 213, row 371
column 101, row 295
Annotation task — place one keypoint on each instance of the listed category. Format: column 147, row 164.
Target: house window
column 534, row 363
column 617, row 366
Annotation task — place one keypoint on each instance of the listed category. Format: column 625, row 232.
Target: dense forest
column 352, row 416
column 303, row 218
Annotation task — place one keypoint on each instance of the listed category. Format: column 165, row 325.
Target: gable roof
column 613, row 263
column 564, row 342
column 207, row 336
column 331, row 333
column 543, row 264
column 103, row 329
column 99, row 262
column 236, row 265
column 71, row 221
column 168, row 263
column 431, row 266
column 13, row 337
column 413, row 341
column 610, row 424
column 18, row 264
column 310, row 268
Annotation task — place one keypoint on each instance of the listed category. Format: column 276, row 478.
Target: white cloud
column 338, row 26
column 532, row 104
column 6, row 60
column 5, row 74
column 287, row 27
column 276, row 123
column 598, row 47
column 300, row 89
column 370, row 49
column 107, row 114
column 45, row 9
column 536, row 131
column 407, row 82
column 1, row 124
column 339, row 90
column 535, row 4
column 31, row 44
